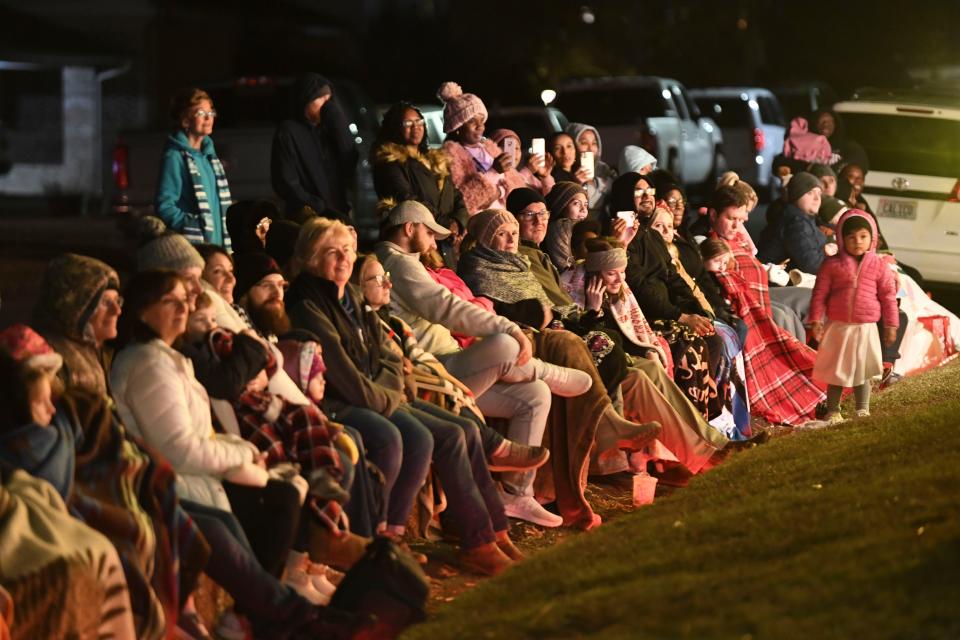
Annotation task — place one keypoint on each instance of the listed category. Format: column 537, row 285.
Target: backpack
column 386, row 584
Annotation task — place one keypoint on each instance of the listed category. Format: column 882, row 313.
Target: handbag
column 386, row 584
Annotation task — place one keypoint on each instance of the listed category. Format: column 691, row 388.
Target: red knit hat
column 27, row 347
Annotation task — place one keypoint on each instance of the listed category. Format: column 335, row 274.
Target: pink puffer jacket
column 854, row 292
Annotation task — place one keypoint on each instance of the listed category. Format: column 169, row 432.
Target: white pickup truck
column 651, row 112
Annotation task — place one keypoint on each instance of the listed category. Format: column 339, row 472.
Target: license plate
column 900, row 209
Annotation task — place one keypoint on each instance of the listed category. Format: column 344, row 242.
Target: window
column 770, row 111
column 906, row 144
column 727, row 112
column 31, row 110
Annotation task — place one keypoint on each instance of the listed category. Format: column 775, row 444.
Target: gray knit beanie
column 161, row 248
column 459, row 107
column 801, row 184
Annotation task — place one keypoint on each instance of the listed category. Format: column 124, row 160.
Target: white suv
column 912, row 140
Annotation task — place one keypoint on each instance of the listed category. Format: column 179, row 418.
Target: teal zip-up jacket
column 176, row 201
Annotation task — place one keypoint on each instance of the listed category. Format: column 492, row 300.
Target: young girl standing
column 854, row 289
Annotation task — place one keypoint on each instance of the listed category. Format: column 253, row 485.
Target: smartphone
column 510, row 146
column 629, row 217
column 538, row 146
column 586, row 161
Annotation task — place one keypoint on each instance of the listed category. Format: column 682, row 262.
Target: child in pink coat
column 854, row 289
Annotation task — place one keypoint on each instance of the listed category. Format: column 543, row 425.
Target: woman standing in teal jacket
column 192, row 192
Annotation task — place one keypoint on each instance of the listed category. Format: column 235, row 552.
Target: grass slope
column 841, row 533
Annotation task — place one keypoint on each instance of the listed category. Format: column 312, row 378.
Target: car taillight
column 121, row 176
column 758, row 139
column 955, row 192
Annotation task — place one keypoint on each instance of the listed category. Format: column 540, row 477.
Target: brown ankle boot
column 340, row 552
column 509, row 549
column 614, row 432
column 487, row 560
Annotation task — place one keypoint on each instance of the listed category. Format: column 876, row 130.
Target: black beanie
column 853, row 224
column 251, row 268
column 521, row 198
column 801, row 184
column 281, row 240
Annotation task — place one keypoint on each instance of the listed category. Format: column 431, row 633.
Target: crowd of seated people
column 260, row 400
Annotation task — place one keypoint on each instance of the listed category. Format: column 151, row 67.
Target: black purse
column 386, row 584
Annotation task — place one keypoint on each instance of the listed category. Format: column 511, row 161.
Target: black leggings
column 270, row 517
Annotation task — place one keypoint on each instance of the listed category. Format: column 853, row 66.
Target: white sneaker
column 526, row 508
column 297, row 578
column 564, row 381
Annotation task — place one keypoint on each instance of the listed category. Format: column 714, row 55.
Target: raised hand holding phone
column 587, row 164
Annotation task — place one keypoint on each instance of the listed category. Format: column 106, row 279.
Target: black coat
column 399, row 176
column 661, row 292
column 314, row 165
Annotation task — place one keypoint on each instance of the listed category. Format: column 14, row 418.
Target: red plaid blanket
column 778, row 366
column 287, row 432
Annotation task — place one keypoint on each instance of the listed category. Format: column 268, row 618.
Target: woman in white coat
column 161, row 402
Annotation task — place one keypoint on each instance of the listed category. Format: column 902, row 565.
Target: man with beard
column 259, row 292
column 506, row 381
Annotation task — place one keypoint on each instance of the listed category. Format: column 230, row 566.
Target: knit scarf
column 633, row 324
column 501, row 276
column 198, row 229
column 694, row 287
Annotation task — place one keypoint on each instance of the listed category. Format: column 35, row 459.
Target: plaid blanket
column 287, row 432
column 778, row 366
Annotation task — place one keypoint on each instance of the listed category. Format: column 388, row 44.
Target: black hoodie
column 314, row 165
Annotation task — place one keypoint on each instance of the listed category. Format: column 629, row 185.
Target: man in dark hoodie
column 313, row 160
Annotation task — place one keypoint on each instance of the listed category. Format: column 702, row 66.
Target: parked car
column 248, row 111
column 753, row 128
column 655, row 113
column 912, row 140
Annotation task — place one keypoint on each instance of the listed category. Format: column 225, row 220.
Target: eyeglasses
column 201, row 113
column 529, row 216
column 407, row 124
column 673, row 203
column 649, row 191
column 174, row 301
column 107, row 303
column 381, row 281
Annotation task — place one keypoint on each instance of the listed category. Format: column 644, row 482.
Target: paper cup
column 644, row 487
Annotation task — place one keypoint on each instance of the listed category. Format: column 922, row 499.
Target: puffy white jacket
column 161, row 401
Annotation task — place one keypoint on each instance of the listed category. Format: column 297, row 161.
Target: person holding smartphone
column 482, row 172
column 587, row 140
column 536, row 171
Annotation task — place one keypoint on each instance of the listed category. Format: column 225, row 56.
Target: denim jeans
column 490, row 438
column 401, row 450
column 232, row 565
column 474, row 507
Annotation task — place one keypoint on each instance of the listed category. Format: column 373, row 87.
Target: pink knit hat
column 483, row 226
column 459, row 107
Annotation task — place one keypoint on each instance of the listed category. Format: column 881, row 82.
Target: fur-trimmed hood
column 435, row 159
